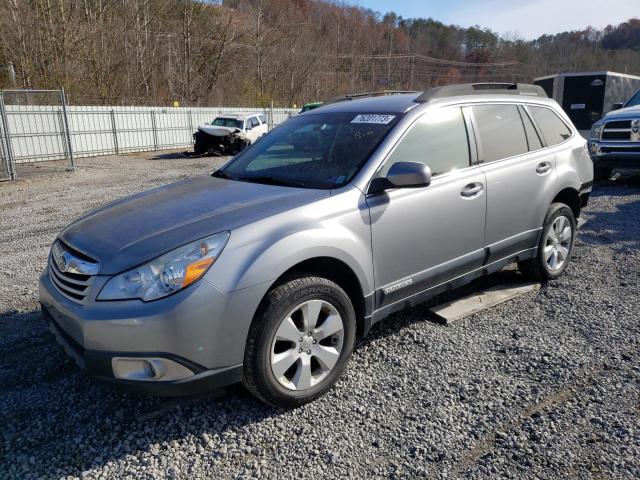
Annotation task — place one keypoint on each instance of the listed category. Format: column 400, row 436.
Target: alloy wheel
column 558, row 243
column 307, row 345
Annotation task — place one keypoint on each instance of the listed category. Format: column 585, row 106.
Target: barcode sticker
column 373, row 118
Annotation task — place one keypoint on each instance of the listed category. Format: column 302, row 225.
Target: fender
column 262, row 251
column 574, row 167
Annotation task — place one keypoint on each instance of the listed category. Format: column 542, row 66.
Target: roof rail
column 355, row 96
column 482, row 88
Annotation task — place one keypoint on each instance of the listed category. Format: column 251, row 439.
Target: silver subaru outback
column 267, row 271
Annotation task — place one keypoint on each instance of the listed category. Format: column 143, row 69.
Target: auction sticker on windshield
column 374, row 118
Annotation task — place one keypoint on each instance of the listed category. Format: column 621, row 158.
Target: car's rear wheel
column 555, row 247
column 300, row 342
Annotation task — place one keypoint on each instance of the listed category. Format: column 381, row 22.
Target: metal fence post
column 155, row 130
column 271, row 116
column 115, row 132
column 9, row 160
column 65, row 117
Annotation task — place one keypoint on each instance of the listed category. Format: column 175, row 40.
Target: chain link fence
column 38, row 126
column 5, row 161
column 35, row 125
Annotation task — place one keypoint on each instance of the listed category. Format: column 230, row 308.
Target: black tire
column 245, row 144
column 537, row 268
column 201, row 144
column 602, row 173
column 258, row 376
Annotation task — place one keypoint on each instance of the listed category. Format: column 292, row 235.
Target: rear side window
column 263, row 119
column 437, row 139
column 501, row 131
column 553, row 129
column 532, row 136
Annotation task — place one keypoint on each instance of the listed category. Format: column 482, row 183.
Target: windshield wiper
column 269, row 180
column 222, row 174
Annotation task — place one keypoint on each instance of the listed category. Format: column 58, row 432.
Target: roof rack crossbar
column 354, row 96
column 482, row 88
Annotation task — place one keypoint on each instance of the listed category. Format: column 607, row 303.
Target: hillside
column 255, row 51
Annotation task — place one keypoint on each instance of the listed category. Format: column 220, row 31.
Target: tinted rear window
column 501, row 131
column 553, row 129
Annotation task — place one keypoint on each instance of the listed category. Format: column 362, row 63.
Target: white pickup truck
column 229, row 134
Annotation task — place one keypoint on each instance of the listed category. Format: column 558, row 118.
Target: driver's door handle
column 543, row 167
column 472, row 190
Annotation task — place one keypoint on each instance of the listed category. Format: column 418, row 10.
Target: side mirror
column 617, row 106
column 403, row 175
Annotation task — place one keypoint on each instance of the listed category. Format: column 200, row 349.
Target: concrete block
column 451, row 312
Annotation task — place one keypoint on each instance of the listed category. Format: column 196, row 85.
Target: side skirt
column 424, row 295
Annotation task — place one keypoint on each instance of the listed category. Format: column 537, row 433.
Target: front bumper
column 99, row 365
column 615, row 154
column 201, row 331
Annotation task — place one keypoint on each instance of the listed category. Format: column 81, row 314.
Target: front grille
column 621, row 149
column 74, row 286
column 618, row 124
column 617, row 131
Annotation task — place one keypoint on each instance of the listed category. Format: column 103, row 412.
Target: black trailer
column 588, row 96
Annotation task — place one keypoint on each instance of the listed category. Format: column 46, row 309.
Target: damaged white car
column 229, row 134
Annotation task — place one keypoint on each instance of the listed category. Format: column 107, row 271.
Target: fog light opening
column 148, row 369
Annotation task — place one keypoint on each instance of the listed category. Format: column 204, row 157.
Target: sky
column 529, row 19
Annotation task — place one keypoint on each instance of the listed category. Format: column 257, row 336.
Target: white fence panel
column 37, row 132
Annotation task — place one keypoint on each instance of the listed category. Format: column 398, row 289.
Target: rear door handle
column 472, row 190
column 543, row 167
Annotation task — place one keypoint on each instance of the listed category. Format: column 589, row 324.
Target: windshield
column 323, row 150
column 227, row 122
column 633, row 101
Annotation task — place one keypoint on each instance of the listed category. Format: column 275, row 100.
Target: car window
column 227, row 122
column 501, row 131
column 314, row 151
column 533, row 139
column 438, row 139
column 255, row 122
column 553, row 129
column 633, row 101
column 263, row 119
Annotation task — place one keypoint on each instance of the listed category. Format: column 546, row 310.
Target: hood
column 136, row 229
column 217, row 131
column 629, row 112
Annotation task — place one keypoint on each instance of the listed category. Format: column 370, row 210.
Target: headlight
column 596, row 129
column 168, row 273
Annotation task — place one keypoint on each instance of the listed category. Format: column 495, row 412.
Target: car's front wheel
column 300, row 342
column 555, row 247
column 602, row 173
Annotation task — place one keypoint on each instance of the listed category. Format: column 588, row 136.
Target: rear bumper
column 98, row 364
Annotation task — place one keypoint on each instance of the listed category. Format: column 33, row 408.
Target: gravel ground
column 546, row 385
